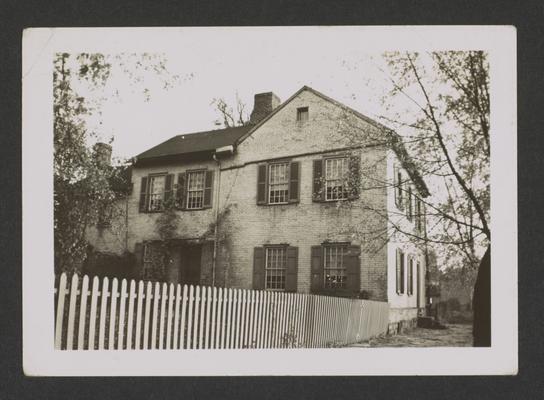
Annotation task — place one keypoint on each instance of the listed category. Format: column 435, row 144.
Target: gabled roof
column 190, row 143
column 392, row 138
column 203, row 144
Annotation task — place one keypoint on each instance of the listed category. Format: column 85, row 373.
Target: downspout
column 214, row 259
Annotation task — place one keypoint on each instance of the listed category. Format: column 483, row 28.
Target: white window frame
column 342, row 179
column 195, row 196
column 275, row 265
column 272, row 185
column 154, row 196
column 338, row 251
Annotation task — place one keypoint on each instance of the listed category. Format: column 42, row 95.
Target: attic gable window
column 302, row 114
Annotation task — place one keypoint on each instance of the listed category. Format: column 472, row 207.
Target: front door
column 190, row 259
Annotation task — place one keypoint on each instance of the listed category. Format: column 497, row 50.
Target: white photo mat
column 39, row 357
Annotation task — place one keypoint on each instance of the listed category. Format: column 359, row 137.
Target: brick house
column 304, row 198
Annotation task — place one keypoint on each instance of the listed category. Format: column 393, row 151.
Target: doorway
column 189, row 265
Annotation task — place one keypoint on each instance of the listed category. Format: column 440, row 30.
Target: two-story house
column 308, row 197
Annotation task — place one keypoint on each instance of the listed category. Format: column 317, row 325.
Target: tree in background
column 230, row 116
column 84, row 183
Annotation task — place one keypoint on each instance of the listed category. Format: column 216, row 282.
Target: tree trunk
column 481, row 303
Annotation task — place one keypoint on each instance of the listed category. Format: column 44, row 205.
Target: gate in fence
column 93, row 315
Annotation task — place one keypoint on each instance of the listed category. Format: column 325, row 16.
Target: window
column 157, row 185
column 275, row 268
column 410, row 276
column 400, row 271
column 195, row 189
column 334, row 268
column 336, row 173
column 302, row 114
column 278, row 183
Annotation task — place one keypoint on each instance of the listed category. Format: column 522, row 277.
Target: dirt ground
column 453, row 336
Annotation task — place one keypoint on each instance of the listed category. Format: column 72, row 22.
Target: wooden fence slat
column 257, row 325
column 223, row 317
column 154, row 317
column 83, row 313
column 228, row 324
column 122, row 303
column 139, row 311
column 195, row 318
column 250, row 316
column 203, row 302
column 212, row 328
column 113, row 309
column 184, row 306
column 130, row 319
column 72, row 312
column 236, row 319
column 162, row 314
column 208, row 308
column 60, row 311
column 104, row 294
column 92, row 315
column 175, row 333
column 169, row 316
column 190, row 317
column 220, row 318
column 147, row 314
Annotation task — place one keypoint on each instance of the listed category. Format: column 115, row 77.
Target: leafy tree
column 85, row 187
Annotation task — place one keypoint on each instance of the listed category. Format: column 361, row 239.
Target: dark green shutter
column 409, row 198
column 168, row 189
column 180, row 192
column 318, row 194
column 354, row 177
column 208, row 189
column 410, row 276
column 317, row 269
column 294, row 182
column 292, row 269
column 258, row 268
column 353, row 269
column 261, row 184
column 143, row 195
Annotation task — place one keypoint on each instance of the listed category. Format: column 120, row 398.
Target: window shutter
column 317, row 269
column 208, row 190
column 294, row 182
column 180, row 192
column 402, row 257
column 354, row 177
column 168, row 188
column 292, row 269
column 352, row 262
column 143, row 195
column 397, row 266
column 318, row 192
column 261, row 184
column 258, row 268
column 409, row 208
column 410, row 276
column 139, row 257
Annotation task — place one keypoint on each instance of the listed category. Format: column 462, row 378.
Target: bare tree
column 230, row 116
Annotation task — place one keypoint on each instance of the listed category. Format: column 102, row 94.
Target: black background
column 528, row 17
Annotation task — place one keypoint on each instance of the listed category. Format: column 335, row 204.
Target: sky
column 222, row 65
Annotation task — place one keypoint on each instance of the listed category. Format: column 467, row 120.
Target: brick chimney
column 264, row 104
column 102, row 153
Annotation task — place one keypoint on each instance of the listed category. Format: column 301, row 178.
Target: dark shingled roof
column 199, row 142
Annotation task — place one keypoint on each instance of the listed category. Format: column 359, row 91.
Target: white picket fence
column 146, row 315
